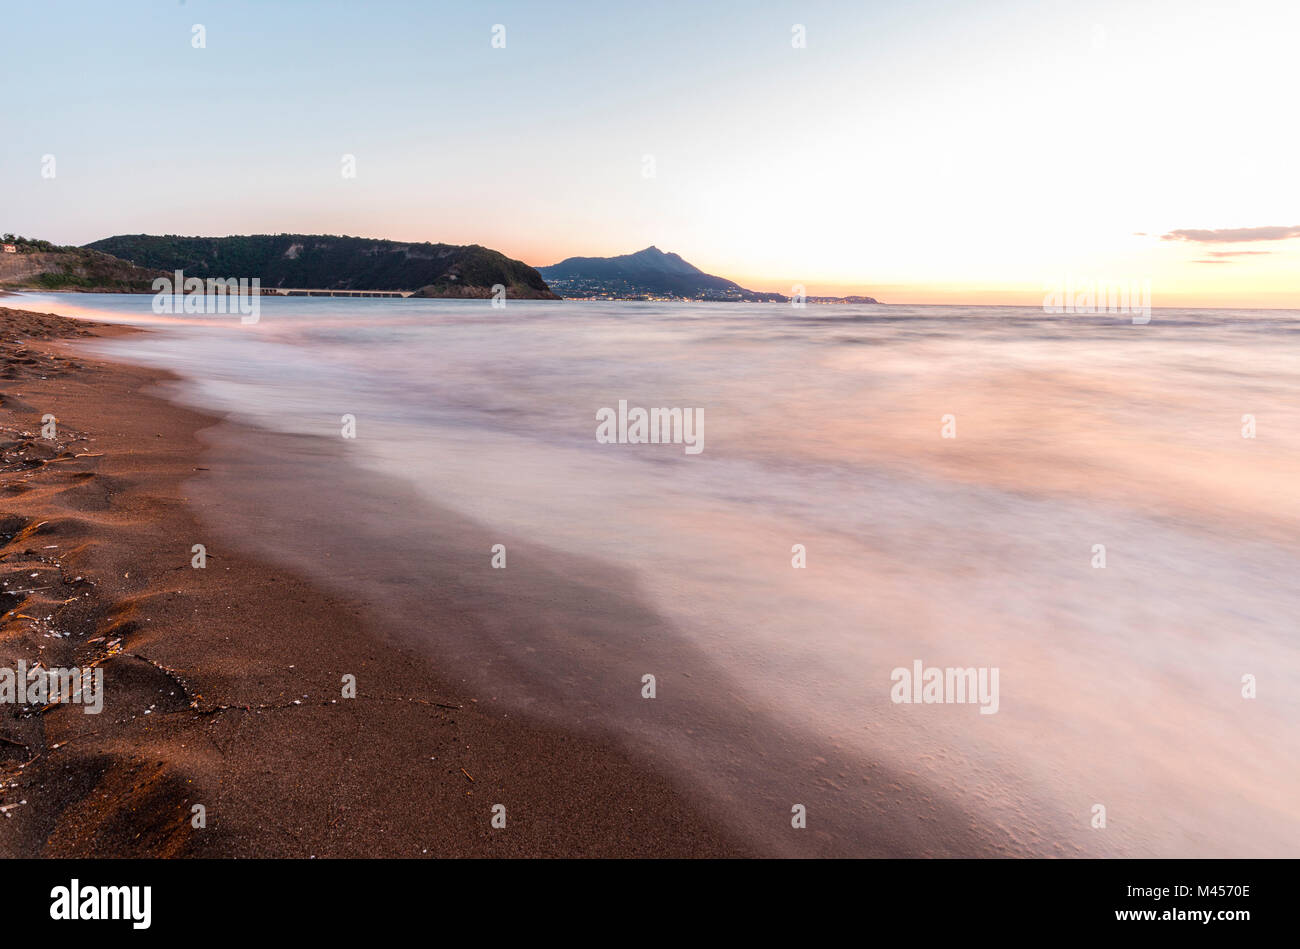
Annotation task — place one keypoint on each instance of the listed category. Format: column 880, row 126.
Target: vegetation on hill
column 29, row 244
column 324, row 262
column 41, row 265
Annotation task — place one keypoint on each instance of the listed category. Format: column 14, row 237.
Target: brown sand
column 222, row 684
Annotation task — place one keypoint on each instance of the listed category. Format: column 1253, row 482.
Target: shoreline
column 222, row 684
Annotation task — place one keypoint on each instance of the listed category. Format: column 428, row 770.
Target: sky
column 924, row 151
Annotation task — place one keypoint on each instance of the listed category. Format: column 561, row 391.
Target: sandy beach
column 223, row 685
column 330, row 557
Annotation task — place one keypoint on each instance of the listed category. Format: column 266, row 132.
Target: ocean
column 1100, row 517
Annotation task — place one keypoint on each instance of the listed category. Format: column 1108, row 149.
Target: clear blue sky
column 927, row 142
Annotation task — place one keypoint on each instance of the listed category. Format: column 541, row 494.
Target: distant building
column 11, row 248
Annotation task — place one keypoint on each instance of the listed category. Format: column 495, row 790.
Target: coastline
column 222, row 684
column 369, row 555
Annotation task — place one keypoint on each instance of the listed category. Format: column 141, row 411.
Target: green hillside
column 40, row 265
column 324, row 262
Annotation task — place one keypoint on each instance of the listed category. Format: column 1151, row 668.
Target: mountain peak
column 652, row 258
column 644, row 273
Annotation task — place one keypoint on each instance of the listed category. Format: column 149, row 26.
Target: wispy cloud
column 1233, row 235
column 1225, row 256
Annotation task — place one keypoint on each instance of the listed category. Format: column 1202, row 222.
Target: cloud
column 1225, row 256
column 1233, row 235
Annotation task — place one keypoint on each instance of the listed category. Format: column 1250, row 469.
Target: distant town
column 594, row 288
column 587, row 289
column 653, row 275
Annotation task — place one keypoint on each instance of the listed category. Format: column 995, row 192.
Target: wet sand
column 223, row 685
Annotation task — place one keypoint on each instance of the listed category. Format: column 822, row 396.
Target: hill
column 40, row 265
column 325, row 262
column 648, row 273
